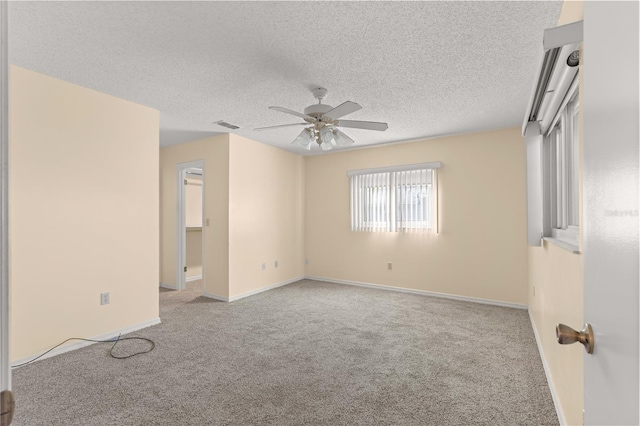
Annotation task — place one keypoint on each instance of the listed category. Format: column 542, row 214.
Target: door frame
column 5, row 370
column 181, row 225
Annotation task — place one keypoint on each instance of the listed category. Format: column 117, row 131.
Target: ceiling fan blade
column 342, row 110
column 289, row 111
column 367, row 125
column 281, row 125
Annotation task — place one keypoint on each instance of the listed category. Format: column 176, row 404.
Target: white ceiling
column 426, row 68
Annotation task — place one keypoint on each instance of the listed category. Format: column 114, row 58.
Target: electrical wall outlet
column 104, row 298
column 264, row 266
column 275, row 264
column 306, row 261
column 389, row 266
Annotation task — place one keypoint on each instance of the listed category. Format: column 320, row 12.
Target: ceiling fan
column 323, row 122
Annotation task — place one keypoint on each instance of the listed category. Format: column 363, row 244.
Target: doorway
column 190, row 197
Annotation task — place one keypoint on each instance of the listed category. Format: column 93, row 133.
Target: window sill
column 563, row 244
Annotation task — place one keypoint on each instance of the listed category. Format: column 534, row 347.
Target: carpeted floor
column 309, row 353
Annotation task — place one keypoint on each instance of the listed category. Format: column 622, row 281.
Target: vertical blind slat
column 392, row 208
column 387, row 192
column 369, row 211
column 415, row 197
column 351, row 198
column 383, row 202
column 367, row 198
column 387, row 216
column 411, row 205
column 359, row 205
column 378, row 215
column 415, row 205
column 418, row 200
column 357, row 201
column 375, row 202
column 399, row 201
column 425, row 207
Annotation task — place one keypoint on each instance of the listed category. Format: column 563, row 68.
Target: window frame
column 561, row 146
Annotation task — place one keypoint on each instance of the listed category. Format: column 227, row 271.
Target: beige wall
column 83, row 212
column 480, row 250
column 556, row 295
column 215, row 153
column 266, row 215
column 254, row 200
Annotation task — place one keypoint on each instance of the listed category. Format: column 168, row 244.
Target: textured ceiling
column 426, row 68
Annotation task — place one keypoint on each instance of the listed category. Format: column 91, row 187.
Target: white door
column 610, row 211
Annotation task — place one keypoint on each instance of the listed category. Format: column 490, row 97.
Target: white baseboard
column 80, row 344
column 196, row 278
column 215, row 296
column 252, row 292
column 263, row 289
column 554, row 395
column 168, row 286
column 421, row 292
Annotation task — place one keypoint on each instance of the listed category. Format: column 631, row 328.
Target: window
column 561, row 162
column 394, row 199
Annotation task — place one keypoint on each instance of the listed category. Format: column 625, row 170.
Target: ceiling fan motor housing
column 317, row 109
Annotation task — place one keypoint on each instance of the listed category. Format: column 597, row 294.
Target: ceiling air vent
column 225, row 124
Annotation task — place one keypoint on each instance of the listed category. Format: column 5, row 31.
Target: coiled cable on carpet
column 114, row 340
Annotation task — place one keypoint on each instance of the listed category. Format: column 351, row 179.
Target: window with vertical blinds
column 394, row 199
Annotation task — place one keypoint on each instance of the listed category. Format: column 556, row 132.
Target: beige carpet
column 309, row 353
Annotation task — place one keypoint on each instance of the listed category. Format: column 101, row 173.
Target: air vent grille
column 225, row 124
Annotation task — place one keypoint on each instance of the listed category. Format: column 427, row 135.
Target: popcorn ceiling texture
column 426, row 68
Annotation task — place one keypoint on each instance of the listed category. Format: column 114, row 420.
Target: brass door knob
column 567, row 335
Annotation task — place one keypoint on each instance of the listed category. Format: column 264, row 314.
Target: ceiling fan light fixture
column 327, row 138
column 326, row 146
column 304, row 139
column 342, row 139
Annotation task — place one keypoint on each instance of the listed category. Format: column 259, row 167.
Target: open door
column 6, row 398
column 184, row 172
column 610, row 212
